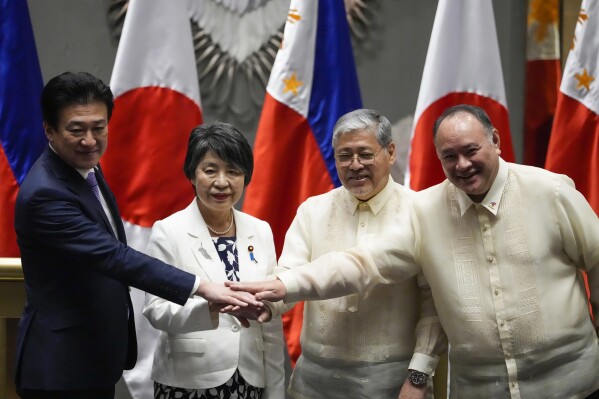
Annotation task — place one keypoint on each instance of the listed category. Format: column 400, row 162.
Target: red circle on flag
column 143, row 164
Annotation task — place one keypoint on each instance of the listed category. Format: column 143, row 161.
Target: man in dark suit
column 77, row 333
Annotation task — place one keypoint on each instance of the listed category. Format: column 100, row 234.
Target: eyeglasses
column 364, row 158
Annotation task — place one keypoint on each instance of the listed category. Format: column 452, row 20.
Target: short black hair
column 71, row 88
column 473, row 110
column 225, row 141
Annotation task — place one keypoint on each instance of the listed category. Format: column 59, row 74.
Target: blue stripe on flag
column 335, row 88
column 21, row 132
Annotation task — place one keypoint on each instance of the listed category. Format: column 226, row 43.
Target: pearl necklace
column 220, row 233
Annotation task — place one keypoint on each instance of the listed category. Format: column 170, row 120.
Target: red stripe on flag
column 147, row 145
column 292, row 329
column 588, row 291
column 574, row 147
column 425, row 168
column 542, row 85
column 278, row 188
column 8, row 196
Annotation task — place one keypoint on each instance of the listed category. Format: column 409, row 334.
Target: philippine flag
column 462, row 67
column 22, row 137
column 313, row 82
column 543, row 73
column 574, row 144
column 157, row 104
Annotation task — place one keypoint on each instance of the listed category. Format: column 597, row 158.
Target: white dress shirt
column 505, row 276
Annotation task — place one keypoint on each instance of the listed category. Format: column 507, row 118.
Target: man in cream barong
column 502, row 247
column 361, row 345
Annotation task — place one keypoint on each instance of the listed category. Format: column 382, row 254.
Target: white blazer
column 200, row 350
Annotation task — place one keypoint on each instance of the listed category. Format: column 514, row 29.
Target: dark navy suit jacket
column 77, row 330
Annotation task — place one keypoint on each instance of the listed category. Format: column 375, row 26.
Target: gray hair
column 364, row 119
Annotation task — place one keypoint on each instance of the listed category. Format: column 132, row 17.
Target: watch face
column 418, row 378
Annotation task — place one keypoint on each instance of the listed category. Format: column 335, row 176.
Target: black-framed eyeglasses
column 364, row 158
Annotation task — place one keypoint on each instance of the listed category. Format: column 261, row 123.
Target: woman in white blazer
column 202, row 353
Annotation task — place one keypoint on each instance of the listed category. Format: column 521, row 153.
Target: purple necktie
column 93, row 183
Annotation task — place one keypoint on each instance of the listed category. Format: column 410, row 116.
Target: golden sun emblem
column 292, row 84
column 545, row 13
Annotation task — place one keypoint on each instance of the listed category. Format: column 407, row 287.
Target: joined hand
column 260, row 314
column 222, row 294
column 270, row 290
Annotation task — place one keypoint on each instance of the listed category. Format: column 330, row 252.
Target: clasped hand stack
column 243, row 300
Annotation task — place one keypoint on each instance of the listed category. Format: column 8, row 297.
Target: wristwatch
column 417, row 378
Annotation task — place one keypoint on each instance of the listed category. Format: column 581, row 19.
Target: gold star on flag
column 294, row 16
column 292, row 84
column 584, row 80
column 582, row 18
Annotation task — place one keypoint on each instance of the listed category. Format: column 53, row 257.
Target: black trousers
column 107, row 393
column 594, row 395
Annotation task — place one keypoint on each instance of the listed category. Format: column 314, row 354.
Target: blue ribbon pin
column 251, row 250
